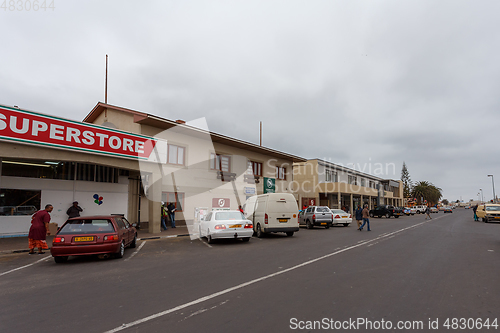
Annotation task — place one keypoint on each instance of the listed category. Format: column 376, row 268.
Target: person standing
column 366, row 220
column 171, row 213
column 164, row 214
column 474, row 209
column 74, row 211
column 359, row 216
column 39, row 230
column 428, row 213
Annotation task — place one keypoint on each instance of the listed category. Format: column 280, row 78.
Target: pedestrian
column 39, row 230
column 171, row 213
column 164, row 214
column 474, row 209
column 366, row 220
column 74, row 210
column 359, row 216
column 428, row 213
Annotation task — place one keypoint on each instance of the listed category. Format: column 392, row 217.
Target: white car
column 226, row 224
column 341, row 217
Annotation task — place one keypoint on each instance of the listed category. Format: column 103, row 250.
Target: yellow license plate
column 282, row 220
column 235, row 226
column 344, row 217
column 323, row 223
column 84, row 239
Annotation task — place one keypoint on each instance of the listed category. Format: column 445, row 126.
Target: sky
column 358, row 83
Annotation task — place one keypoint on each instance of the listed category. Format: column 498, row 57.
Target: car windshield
column 229, row 216
column 322, row 210
column 493, row 208
column 87, row 227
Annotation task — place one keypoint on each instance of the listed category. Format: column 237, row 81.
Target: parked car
column 272, row 212
column 226, row 224
column 87, row 235
column 387, row 211
column 448, row 209
column 409, row 211
column 488, row 212
column 420, row 209
column 434, row 210
column 341, row 217
column 316, row 216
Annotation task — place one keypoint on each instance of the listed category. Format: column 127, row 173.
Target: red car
column 86, row 235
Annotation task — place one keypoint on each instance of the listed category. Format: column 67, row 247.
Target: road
column 409, row 271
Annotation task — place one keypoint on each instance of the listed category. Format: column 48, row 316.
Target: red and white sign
column 220, row 203
column 34, row 128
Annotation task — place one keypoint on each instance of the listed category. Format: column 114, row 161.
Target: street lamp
column 482, row 197
column 493, row 183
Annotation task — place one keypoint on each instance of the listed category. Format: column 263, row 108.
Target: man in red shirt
column 39, row 230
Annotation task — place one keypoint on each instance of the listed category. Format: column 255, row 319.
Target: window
column 353, row 180
column 220, row 162
column 331, row 176
column 19, row 202
column 176, row 197
column 281, row 173
column 372, row 184
column 255, row 168
column 363, row 182
column 176, row 154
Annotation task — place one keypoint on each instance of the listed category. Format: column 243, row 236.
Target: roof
column 159, row 122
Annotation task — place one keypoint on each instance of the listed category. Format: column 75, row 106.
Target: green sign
column 269, row 185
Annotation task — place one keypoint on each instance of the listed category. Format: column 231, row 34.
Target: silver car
column 316, row 216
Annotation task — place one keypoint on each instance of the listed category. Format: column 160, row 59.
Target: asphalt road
column 407, row 271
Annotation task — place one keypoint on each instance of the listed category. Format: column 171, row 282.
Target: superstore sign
column 29, row 127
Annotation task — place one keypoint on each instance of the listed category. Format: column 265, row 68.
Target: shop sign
column 34, row 128
column 269, row 185
column 249, row 190
column 220, row 203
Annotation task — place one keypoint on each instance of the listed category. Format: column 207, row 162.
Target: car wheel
column 245, row 239
column 396, row 216
column 371, row 215
column 346, row 224
column 309, row 225
column 289, row 233
column 60, row 259
column 209, row 238
column 134, row 242
column 259, row 232
column 388, row 215
column 121, row 251
column 327, row 226
column 485, row 220
column 418, row 212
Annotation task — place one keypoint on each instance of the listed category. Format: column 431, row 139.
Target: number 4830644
column 27, row 5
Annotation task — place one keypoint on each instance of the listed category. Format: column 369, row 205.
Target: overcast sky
column 361, row 82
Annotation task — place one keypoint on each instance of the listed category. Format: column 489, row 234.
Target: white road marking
column 16, row 269
column 135, row 252
column 205, row 243
column 245, row 284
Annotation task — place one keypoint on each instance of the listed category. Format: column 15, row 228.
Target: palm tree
column 425, row 190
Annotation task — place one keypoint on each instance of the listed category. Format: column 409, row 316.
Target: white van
column 272, row 212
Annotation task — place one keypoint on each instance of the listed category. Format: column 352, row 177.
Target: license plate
column 235, row 226
column 344, row 217
column 323, row 223
column 84, row 239
column 282, row 220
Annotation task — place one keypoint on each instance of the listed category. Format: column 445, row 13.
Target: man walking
column 428, row 213
column 359, row 216
column 39, row 230
column 365, row 216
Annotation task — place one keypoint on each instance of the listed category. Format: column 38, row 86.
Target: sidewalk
column 20, row 244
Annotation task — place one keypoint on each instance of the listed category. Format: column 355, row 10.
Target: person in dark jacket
column 474, row 209
column 359, row 216
column 74, row 211
column 171, row 213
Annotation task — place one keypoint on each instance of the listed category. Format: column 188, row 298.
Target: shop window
column 38, row 169
column 176, row 197
column 176, row 154
column 19, row 202
column 220, row 162
column 255, row 168
column 281, row 173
